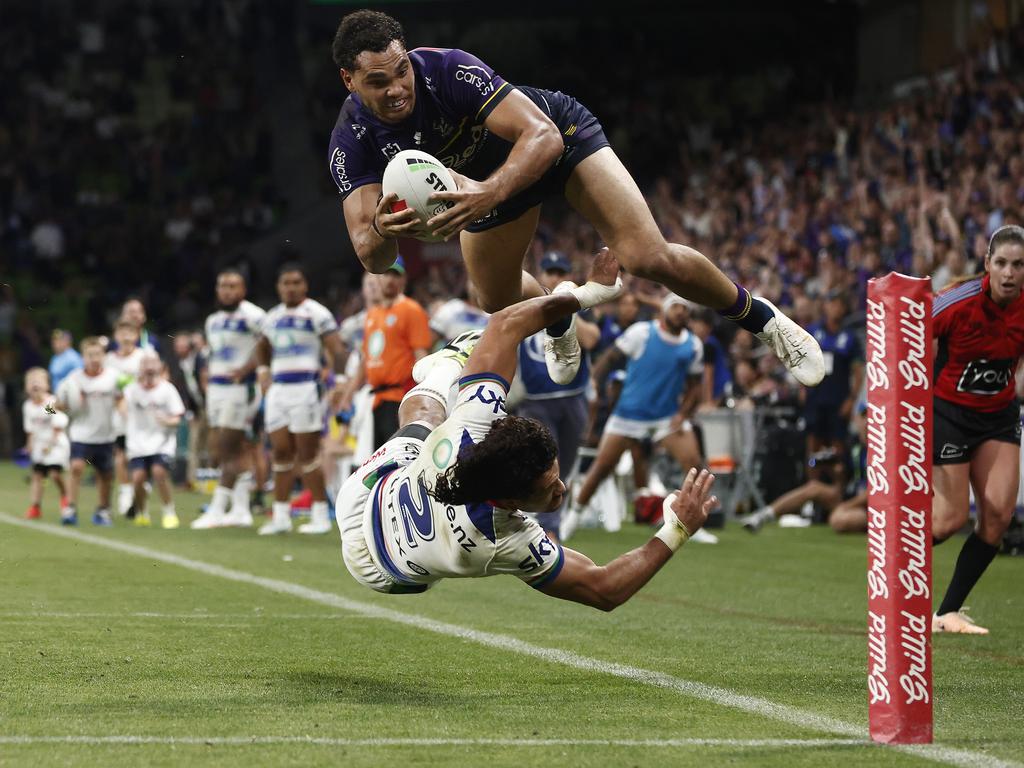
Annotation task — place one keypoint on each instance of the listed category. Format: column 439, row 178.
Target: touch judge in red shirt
column 979, row 332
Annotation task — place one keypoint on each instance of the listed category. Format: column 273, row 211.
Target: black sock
column 558, row 329
column 972, row 562
column 749, row 313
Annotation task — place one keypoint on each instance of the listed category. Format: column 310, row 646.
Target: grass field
column 223, row 648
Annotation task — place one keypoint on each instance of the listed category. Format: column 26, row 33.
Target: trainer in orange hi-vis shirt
column 397, row 335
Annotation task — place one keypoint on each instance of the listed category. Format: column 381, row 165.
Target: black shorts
column 147, row 462
column 119, row 442
column 582, row 136
column 100, row 455
column 45, row 469
column 825, row 423
column 959, row 430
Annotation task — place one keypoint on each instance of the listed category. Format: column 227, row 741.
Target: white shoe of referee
column 956, row 622
column 795, row 347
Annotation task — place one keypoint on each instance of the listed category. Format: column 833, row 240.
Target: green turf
column 779, row 616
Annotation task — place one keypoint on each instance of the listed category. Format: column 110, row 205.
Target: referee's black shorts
column 959, row 430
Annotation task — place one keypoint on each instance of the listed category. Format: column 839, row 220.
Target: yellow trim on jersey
column 489, row 100
column 462, row 124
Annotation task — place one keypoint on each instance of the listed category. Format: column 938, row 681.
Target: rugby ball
column 414, row 176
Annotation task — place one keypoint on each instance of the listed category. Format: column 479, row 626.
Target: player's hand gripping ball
column 413, row 176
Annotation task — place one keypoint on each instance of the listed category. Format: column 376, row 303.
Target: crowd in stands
column 123, row 162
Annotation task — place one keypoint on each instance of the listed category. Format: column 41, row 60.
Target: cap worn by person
column 398, row 266
column 555, row 261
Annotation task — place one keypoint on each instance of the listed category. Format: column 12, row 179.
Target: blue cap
column 555, row 260
column 398, row 266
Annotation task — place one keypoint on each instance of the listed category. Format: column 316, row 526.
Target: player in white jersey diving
column 231, row 400
column 444, row 498
column 296, row 334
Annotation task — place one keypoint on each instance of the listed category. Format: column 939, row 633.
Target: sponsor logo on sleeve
column 338, row 169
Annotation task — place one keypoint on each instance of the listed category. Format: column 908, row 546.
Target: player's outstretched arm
column 609, row 586
column 373, row 229
column 496, row 350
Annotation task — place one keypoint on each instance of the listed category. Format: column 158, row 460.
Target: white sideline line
column 709, row 693
column 232, row 741
column 200, row 616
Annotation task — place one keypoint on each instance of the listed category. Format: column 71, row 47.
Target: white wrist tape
column 672, row 532
column 590, row 294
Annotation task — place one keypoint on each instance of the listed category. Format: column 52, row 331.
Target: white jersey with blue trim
column 418, row 540
column 294, row 335
column 232, row 336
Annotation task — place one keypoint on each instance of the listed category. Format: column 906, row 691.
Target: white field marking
column 713, row 694
column 241, row 741
column 26, row 615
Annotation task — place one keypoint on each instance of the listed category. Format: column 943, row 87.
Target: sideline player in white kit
column 49, row 449
column 442, row 498
column 124, row 361
column 297, row 333
column 153, row 409
column 231, row 399
column 89, row 396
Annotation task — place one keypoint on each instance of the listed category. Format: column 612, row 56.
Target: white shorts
column 657, row 430
column 353, row 511
column 295, row 407
column 231, row 406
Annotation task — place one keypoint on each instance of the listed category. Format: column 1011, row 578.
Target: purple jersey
column 455, row 92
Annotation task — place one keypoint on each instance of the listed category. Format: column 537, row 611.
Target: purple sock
column 749, row 313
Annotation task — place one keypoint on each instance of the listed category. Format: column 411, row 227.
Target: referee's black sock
column 972, row 562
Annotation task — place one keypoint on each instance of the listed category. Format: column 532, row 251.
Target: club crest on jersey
column 390, row 150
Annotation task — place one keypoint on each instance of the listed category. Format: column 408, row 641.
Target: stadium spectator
column 134, row 311
column 664, row 363
column 65, row 357
column 90, row 396
column 562, row 408
column 296, row 335
column 47, row 442
column 396, row 335
column 152, row 410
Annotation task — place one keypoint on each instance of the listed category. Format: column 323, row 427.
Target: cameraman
column 845, row 503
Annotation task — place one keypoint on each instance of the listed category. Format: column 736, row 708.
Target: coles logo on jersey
column 986, row 377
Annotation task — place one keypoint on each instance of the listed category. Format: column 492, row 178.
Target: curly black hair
column 364, row 31
column 504, row 465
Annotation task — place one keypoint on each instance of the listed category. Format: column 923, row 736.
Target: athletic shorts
column 148, row 462
column 45, row 469
column 231, row 406
column 655, row 430
column 353, row 513
column 825, row 423
column 959, row 430
column 99, row 455
column 119, row 442
column 295, row 407
column 582, row 135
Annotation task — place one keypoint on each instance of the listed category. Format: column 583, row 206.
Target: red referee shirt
column 979, row 345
